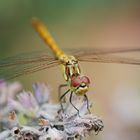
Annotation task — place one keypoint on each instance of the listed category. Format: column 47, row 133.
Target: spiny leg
column 61, row 97
column 87, row 102
column 72, row 103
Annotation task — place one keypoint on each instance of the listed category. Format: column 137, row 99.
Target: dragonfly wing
column 108, row 58
column 24, row 69
column 90, row 51
column 23, row 64
column 24, row 58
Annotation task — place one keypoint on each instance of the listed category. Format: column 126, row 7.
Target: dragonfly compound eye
column 75, row 81
column 85, row 80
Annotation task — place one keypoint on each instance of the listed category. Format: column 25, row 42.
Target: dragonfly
column 78, row 83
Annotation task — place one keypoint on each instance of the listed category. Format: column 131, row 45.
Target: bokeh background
column 94, row 24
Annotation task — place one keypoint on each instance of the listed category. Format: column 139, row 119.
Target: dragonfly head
column 80, row 85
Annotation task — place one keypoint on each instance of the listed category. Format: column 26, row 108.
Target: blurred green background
column 95, row 24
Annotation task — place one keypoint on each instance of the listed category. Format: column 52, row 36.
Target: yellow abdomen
column 48, row 39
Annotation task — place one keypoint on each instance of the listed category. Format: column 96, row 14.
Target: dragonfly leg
column 61, row 97
column 59, row 89
column 72, row 103
column 86, row 98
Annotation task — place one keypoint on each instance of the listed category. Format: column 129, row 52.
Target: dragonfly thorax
column 68, row 59
column 70, row 67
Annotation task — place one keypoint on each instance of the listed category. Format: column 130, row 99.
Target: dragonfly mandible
column 27, row 63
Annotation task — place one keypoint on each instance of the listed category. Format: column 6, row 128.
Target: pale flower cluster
column 31, row 116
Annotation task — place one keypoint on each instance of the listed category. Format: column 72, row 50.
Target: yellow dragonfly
column 79, row 84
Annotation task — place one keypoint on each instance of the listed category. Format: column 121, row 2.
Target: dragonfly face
column 80, row 84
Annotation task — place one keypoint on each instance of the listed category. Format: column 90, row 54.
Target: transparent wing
column 85, row 52
column 110, row 59
column 39, row 56
column 24, row 69
column 26, row 58
column 124, row 56
column 27, row 63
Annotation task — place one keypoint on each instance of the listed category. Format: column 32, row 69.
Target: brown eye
column 85, row 80
column 75, row 81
